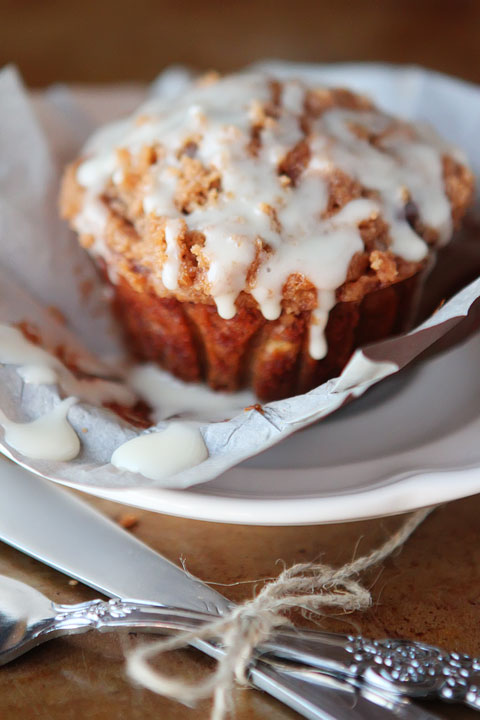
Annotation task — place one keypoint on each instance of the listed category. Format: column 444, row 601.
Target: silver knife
column 60, row 530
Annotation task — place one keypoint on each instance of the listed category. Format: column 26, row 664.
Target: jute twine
column 309, row 586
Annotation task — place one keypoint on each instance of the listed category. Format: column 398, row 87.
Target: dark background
column 108, row 40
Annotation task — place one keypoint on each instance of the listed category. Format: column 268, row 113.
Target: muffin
column 256, row 231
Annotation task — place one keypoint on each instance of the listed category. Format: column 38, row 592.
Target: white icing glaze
column 49, row 437
column 97, row 391
column 221, row 116
column 37, row 366
column 407, row 164
column 159, row 455
column 168, row 396
column 37, row 375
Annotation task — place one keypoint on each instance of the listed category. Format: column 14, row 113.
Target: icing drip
column 49, row 437
column 173, row 229
column 258, row 207
column 317, row 343
column 92, row 221
column 160, row 455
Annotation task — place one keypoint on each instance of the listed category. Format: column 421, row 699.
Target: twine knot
column 309, row 586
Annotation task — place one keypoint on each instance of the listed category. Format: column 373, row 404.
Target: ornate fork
column 28, row 619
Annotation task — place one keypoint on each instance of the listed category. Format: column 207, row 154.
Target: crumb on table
column 127, row 521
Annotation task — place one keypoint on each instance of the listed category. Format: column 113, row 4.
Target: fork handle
column 310, row 699
column 394, row 666
column 314, row 649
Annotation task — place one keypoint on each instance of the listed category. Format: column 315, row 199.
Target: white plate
column 412, row 441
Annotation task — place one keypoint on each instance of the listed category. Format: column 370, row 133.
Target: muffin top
column 252, row 189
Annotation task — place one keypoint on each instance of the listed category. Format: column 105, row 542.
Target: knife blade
column 62, row 531
column 43, row 521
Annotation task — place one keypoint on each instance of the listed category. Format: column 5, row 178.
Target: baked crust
column 272, row 357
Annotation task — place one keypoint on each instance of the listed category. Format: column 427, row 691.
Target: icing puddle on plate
column 154, row 454
column 169, row 396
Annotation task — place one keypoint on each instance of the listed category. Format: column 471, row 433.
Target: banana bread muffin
column 256, row 231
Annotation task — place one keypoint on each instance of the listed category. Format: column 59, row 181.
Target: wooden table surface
column 430, row 591
column 111, row 40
